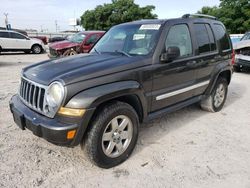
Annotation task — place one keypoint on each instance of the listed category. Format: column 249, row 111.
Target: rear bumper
column 53, row 130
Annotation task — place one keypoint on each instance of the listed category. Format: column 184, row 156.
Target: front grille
column 33, row 94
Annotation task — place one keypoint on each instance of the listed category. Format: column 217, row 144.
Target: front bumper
column 242, row 61
column 53, row 130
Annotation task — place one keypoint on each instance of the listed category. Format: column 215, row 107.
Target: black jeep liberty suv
column 137, row 71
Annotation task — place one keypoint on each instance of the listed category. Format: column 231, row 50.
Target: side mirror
column 172, row 53
column 27, row 38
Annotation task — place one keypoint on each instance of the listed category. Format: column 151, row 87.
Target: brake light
column 233, row 58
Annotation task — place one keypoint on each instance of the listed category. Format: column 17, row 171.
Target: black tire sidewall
column 99, row 156
column 225, row 84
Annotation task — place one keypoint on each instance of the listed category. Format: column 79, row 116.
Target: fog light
column 71, row 112
column 71, row 134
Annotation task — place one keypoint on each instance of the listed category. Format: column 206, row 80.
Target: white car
column 14, row 41
column 242, row 53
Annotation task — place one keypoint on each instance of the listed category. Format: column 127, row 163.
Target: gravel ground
column 188, row 148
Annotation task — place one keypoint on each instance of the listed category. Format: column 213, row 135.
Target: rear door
column 5, row 41
column 208, row 53
column 173, row 81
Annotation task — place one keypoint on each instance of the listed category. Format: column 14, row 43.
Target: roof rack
column 199, row 15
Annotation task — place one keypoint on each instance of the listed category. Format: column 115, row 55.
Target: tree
column 119, row 11
column 235, row 14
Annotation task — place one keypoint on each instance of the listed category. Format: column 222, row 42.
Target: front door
column 19, row 41
column 174, row 81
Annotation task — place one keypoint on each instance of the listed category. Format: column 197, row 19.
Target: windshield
column 134, row 39
column 246, row 37
column 78, row 38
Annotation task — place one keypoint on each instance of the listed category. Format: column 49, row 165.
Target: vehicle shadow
column 13, row 64
column 151, row 132
column 15, row 53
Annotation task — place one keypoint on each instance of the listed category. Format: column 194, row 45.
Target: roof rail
column 199, row 15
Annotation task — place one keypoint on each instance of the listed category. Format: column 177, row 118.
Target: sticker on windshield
column 138, row 36
column 150, row 27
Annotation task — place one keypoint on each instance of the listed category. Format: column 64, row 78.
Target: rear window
column 4, row 34
column 205, row 38
column 222, row 37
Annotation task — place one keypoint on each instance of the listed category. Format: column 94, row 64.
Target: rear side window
column 179, row 36
column 4, row 35
column 17, row 36
column 204, row 38
column 222, row 37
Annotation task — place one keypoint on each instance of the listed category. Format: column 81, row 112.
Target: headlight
column 55, row 95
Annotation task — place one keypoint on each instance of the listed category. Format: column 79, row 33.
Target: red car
column 81, row 42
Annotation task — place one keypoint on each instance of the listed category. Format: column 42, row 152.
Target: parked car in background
column 242, row 53
column 14, row 41
column 81, row 42
column 236, row 38
column 42, row 38
column 56, row 39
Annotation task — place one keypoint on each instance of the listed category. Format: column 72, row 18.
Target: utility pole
column 6, row 20
column 56, row 25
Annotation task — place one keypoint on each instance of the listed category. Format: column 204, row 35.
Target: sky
column 42, row 14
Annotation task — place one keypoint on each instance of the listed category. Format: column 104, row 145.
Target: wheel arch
column 125, row 91
column 225, row 73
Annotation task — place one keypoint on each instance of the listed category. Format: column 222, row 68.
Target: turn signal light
column 71, row 134
column 71, row 112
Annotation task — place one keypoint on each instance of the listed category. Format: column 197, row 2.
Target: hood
column 80, row 67
column 242, row 44
column 63, row 44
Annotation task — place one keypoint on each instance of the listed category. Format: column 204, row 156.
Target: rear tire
column 37, row 49
column 215, row 101
column 113, row 135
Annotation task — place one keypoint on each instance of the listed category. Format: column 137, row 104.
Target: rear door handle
column 191, row 63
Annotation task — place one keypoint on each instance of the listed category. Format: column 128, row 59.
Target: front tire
column 215, row 101
column 69, row 52
column 36, row 49
column 113, row 135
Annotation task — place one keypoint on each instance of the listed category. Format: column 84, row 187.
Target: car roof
column 91, row 32
column 163, row 21
column 9, row 31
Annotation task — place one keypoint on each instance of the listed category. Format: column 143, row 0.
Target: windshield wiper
column 122, row 52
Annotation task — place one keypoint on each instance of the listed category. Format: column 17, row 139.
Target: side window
column 4, row 35
column 211, row 38
column 92, row 39
column 202, row 38
column 179, row 36
column 17, row 36
column 222, row 37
